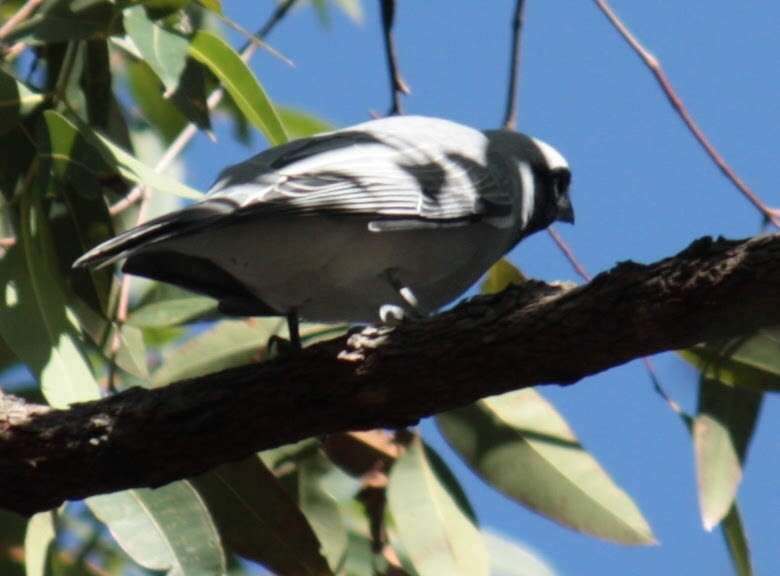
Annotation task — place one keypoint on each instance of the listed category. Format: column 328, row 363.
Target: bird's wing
column 391, row 178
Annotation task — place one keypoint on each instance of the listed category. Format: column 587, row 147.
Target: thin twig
column 19, row 16
column 568, row 253
column 510, row 114
column 397, row 84
column 770, row 214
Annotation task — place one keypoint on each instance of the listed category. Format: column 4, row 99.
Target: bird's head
column 538, row 174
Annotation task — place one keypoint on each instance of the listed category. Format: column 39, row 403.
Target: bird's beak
column 565, row 209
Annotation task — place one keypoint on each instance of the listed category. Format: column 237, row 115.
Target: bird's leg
column 391, row 314
column 278, row 345
column 293, row 327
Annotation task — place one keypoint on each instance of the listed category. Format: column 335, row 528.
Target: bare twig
column 19, row 16
column 397, row 84
column 510, row 115
column 568, row 253
column 770, row 214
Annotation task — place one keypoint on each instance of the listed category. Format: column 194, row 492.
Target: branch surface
column 528, row 335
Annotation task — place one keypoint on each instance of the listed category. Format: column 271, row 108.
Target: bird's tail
column 120, row 246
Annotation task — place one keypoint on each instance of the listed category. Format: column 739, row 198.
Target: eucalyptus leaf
column 437, row 536
column 259, row 520
column 228, row 343
column 16, row 101
column 301, row 124
column 751, row 361
column 321, row 508
column 240, row 83
column 147, row 92
column 38, row 540
column 510, row 558
column 520, row 445
column 736, row 541
column 102, row 158
column 34, row 319
column 501, row 275
column 168, row 529
column 162, row 48
column 722, row 430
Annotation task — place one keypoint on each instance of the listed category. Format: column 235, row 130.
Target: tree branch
column 527, row 335
column 397, row 84
column 510, row 113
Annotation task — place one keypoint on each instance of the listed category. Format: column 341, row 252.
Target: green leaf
column 522, row 431
column 147, row 92
column 501, row 274
column 510, row 558
column 64, row 20
column 737, row 542
column 438, row 537
column 751, row 361
column 301, row 124
column 168, row 528
column 259, row 520
column 321, row 508
column 40, row 535
column 96, row 83
column 16, row 101
column 240, row 83
column 101, row 157
column 34, row 319
column 353, row 9
column 163, row 49
column 721, row 433
column 213, row 5
column 229, row 343
column 191, row 97
column 167, row 305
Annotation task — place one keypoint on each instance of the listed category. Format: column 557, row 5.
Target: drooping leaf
column 16, row 101
column 34, row 318
column 736, row 541
column 751, row 361
column 520, row 430
column 321, row 508
column 721, row 433
column 40, row 535
column 353, row 9
column 102, row 158
column 240, row 82
column 162, row 48
column 259, row 520
column 213, row 5
column 168, row 528
column 509, row 558
column 190, row 96
column 301, row 124
column 227, row 344
column 501, row 274
column 96, row 83
column 435, row 533
column 147, row 92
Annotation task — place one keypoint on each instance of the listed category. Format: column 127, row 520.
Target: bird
column 387, row 220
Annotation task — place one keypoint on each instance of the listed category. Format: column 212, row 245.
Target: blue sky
column 642, row 190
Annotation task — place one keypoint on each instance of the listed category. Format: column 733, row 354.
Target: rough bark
column 534, row 334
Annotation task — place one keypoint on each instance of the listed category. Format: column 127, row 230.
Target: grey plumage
column 403, row 212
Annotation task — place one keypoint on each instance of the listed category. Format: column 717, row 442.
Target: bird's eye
column 561, row 178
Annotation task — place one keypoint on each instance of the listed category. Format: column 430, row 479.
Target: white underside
column 335, row 269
